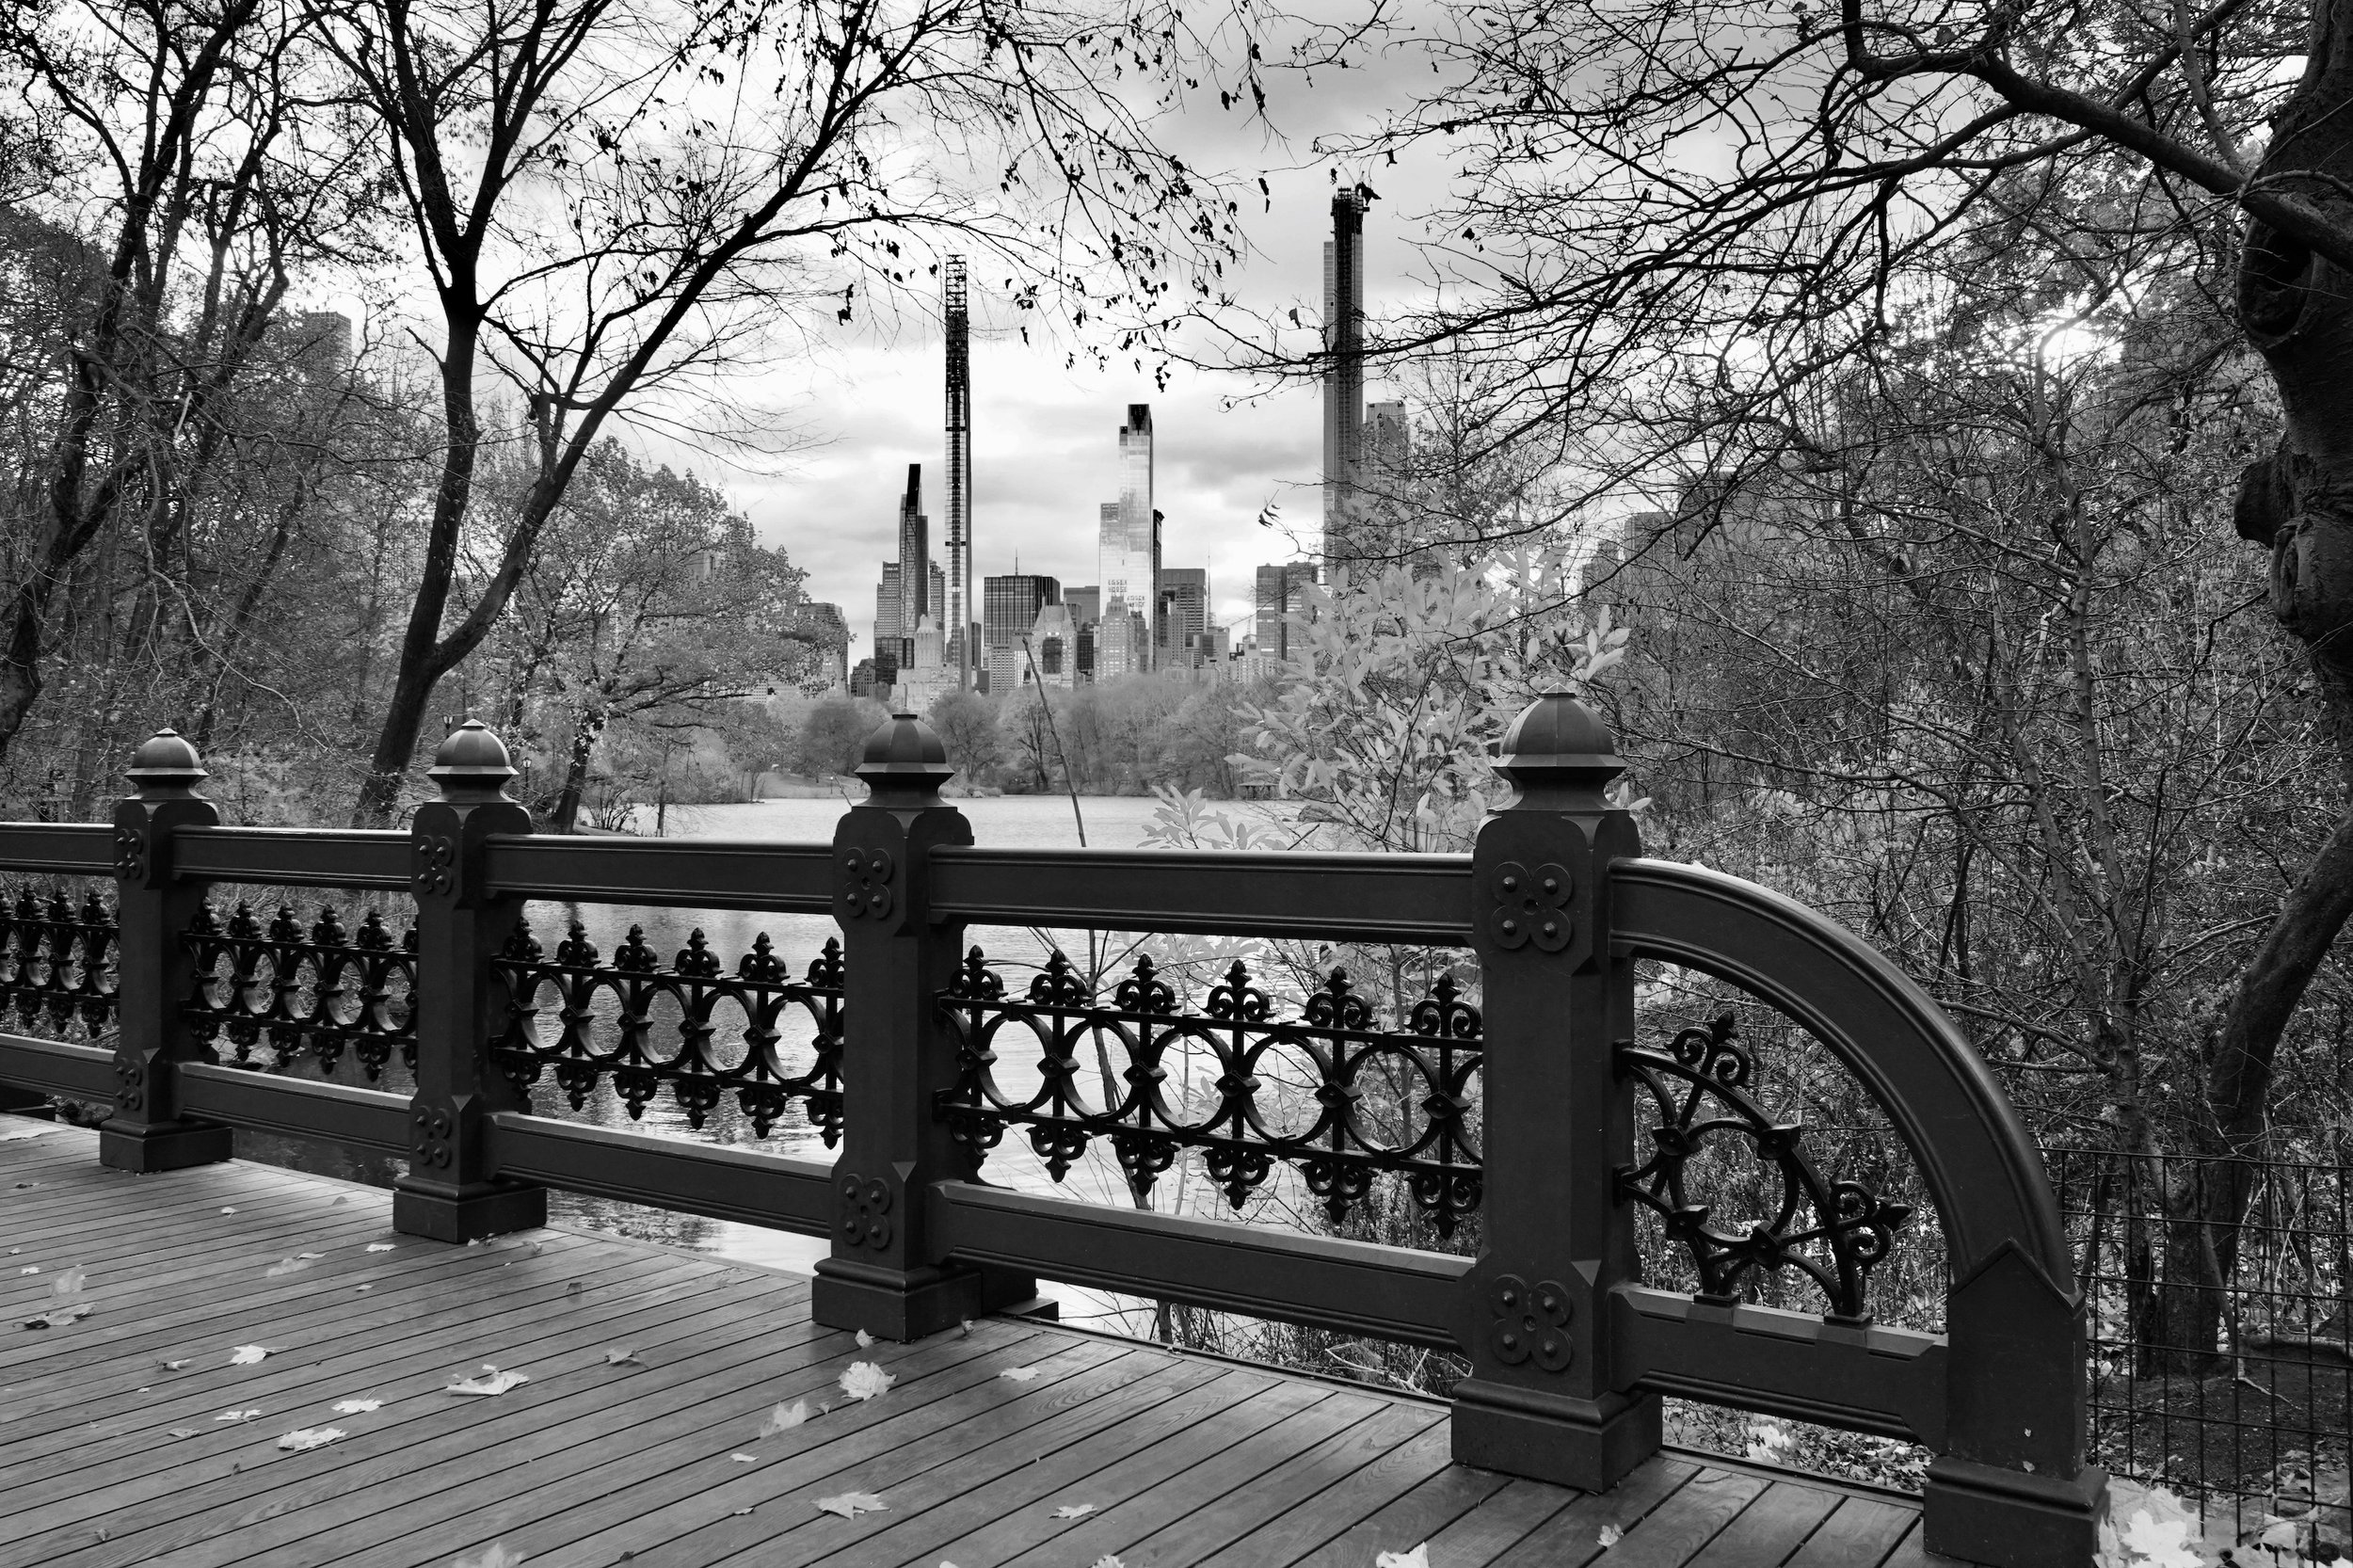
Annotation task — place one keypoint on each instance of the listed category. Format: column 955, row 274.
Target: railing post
column 452, row 1192
column 885, row 1274
column 153, row 973
column 1544, row 1400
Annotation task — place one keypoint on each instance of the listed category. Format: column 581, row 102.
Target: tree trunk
column 565, row 818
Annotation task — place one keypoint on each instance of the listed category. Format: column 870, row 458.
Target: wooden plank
column 1009, row 1448
column 1770, row 1528
column 685, row 1478
column 1333, row 1509
column 1859, row 1535
column 1205, row 1528
column 1667, row 1536
column 1910, row 1552
column 892, row 1447
column 422, row 1439
column 1570, row 1533
column 1201, row 1485
column 1428, row 1510
column 994, row 1533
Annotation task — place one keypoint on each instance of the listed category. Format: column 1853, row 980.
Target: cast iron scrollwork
column 1832, row 1232
column 1255, row 1090
column 698, row 983
column 324, row 988
column 56, row 961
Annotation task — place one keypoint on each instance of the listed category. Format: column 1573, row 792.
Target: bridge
column 1578, row 1264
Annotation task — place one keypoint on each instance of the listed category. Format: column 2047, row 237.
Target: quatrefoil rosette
column 1532, row 906
column 1530, row 1322
column 866, row 882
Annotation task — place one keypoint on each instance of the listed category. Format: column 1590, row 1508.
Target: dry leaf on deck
column 1107, row 1561
column 69, row 1283
column 246, row 1356
column 229, row 1211
column 1417, row 1558
column 236, row 1415
column 310, row 1255
column 851, row 1504
column 621, row 1355
column 303, row 1438
column 1074, row 1510
column 357, row 1407
column 864, row 1339
column 379, row 1247
column 490, row 1381
column 61, row 1315
column 346, row 1198
column 495, row 1556
column 1610, row 1535
column 784, row 1417
column 745, row 1459
column 286, row 1266
column 13, row 1137
column 864, row 1380
column 181, row 1432
column 175, row 1366
column 1018, row 1374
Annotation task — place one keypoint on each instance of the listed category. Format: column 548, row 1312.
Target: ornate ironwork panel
column 700, row 985
column 1832, row 1232
column 322, row 989
column 56, row 961
column 1270, row 1089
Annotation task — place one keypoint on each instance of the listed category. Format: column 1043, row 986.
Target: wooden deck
column 113, row 1449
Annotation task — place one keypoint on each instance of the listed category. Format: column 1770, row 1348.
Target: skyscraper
column 1129, row 542
column 888, row 621
column 918, row 580
column 959, row 606
column 1009, row 607
column 1281, row 593
column 1183, row 615
column 1343, row 370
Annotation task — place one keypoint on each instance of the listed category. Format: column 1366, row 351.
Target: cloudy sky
column 1046, row 436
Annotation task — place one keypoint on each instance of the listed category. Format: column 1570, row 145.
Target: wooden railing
column 1530, row 1119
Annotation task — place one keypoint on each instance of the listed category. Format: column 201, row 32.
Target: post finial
column 1559, row 753
column 165, row 767
column 904, row 759
column 471, row 766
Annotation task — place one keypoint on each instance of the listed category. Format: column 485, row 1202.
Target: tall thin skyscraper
column 915, row 556
column 1129, row 554
column 959, row 469
column 1343, row 371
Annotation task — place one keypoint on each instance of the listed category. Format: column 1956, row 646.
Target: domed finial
column 165, row 767
column 905, row 758
column 1559, row 753
column 471, row 765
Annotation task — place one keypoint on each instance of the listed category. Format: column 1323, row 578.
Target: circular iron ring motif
column 1532, row 906
column 866, row 882
column 1531, row 1322
column 865, row 1211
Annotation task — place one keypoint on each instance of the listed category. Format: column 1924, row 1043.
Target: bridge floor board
column 111, row 1456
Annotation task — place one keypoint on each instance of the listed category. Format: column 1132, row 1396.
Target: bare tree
column 612, row 198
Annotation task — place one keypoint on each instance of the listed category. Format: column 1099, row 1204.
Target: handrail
column 1974, row 1154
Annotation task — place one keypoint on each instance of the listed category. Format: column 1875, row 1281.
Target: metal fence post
column 153, row 973
column 885, row 1274
column 1543, row 1399
column 452, row 1192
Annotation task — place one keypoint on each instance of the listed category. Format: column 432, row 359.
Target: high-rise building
column 1128, row 547
column 919, row 579
column 1281, row 594
column 831, row 629
column 888, row 621
column 1086, row 604
column 1009, row 605
column 1343, row 370
column 955, row 317
column 1183, row 615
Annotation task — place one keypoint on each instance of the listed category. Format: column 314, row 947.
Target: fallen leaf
column 864, row 1339
column 1417, row 1558
column 340, row 1201
column 236, row 1415
column 851, row 1504
column 57, row 1317
column 490, row 1381
column 964, row 1330
column 380, row 1246
column 1107, row 1561
column 621, row 1355
column 69, row 1283
column 228, row 1211
column 246, row 1356
column 175, row 1366
column 745, row 1459
column 1018, row 1374
column 182, row 1431
column 1079, row 1511
column 310, row 1255
column 30, row 1268
column 357, row 1407
column 865, row 1380
column 363, row 1288
column 739, row 1511
column 303, row 1438
column 286, row 1266
column 496, row 1557
column 574, row 1289
column 26, row 1186
column 13, row 1137
column 784, row 1417
column 1610, row 1535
